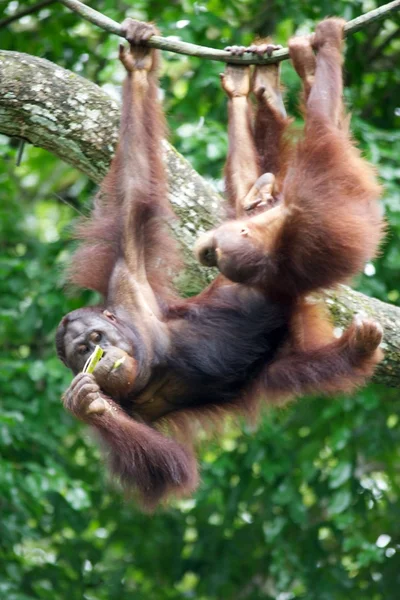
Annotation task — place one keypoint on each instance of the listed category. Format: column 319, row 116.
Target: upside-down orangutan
column 306, row 218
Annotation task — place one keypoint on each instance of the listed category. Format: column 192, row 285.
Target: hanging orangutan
column 306, row 218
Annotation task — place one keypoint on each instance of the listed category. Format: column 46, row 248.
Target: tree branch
column 30, row 10
column 179, row 47
column 74, row 119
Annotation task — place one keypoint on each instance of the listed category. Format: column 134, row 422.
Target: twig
column 20, row 153
column 65, row 201
column 24, row 12
column 179, row 47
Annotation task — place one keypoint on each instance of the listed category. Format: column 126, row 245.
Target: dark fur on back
column 236, row 335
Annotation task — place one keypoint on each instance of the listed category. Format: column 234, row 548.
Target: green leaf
column 340, row 474
column 339, row 502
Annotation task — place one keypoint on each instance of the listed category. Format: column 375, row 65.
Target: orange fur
column 235, row 344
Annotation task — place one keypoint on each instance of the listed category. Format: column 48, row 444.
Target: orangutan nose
column 206, row 251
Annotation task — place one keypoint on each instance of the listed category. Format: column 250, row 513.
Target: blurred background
column 307, row 506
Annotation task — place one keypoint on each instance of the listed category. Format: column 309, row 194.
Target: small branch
column 25, row 12
column 373, row 15
column 179, row 47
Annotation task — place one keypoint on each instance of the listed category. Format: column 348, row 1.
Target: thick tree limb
column 179, row 47
column 74, row 119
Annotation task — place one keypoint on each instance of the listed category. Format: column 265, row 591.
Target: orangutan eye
column 82, row 349
column 95, row 336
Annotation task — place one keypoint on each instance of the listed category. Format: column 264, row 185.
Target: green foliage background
column 307, row 506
